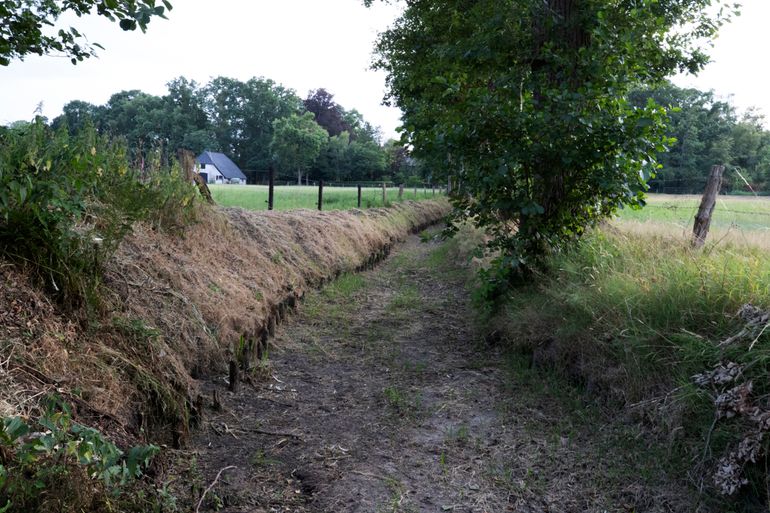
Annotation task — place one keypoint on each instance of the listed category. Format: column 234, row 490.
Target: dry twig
column 213, row 483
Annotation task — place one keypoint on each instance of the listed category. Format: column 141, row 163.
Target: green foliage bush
column 66, row 203
column 55, row 464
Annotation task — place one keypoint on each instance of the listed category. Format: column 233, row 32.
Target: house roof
column 225, row 166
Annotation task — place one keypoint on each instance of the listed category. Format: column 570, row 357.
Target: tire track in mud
column 378, row 397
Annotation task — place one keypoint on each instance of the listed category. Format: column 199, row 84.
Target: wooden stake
column 234, row 378
column 384, row 194
column 320, row 195
column 271, row 189
column 359, row 195
column 702, row 224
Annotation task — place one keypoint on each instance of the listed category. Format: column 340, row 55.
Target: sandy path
column 378, row 397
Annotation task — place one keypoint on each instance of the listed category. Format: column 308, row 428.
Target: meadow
column 290, row 197
column 737, row 220
column 634, row 313
column 742, row 212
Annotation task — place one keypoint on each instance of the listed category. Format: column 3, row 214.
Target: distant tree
column 327, row 113
column 360, row 129
column 297, row 142
column 366, row 160
column 76, row 114
column 333, row 161
column 242, row 116
column 24, row 25
column 708, row 131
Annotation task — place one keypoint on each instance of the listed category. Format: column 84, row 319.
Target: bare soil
column 379, row 396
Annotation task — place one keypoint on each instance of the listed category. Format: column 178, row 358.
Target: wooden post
column 359, row 195
column 449, row 186
column 233, row 376
column 271, row 189
column 400, row 192
column 415, row 192
column 384, row 194
column 320, row 195
column 700, row 229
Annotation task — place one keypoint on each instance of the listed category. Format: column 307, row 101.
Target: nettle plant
column 43, row 463
column 523, row 104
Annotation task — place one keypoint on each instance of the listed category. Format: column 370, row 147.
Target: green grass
column 290, row 197
column 632, row 317
column 744, row 212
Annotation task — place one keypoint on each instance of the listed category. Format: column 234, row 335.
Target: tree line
column 707, row 131
column 258, row 123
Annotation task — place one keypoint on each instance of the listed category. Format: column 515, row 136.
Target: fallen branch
column 213, row 483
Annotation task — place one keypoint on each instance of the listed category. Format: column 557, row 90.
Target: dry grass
column 177, row 305
column 718, row 237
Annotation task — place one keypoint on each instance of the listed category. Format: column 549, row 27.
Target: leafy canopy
column 297, row 142
column 24, row 25
column 523, row 104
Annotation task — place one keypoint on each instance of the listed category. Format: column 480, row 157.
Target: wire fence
column 285, row 195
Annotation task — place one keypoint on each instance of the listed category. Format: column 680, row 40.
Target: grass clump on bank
column 654, row 327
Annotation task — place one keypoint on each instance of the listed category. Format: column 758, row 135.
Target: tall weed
column 67, row 201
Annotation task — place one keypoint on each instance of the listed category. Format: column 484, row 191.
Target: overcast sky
column 302, row 44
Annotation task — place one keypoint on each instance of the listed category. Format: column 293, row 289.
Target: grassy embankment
column 291, row 197
column 633, row 314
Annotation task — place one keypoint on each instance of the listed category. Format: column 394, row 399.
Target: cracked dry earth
column 378, row 397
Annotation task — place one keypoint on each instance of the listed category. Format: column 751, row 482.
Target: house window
column 203, row 166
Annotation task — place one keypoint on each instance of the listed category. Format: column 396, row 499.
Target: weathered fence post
column 400, row 192
column 448, row 186
column 320, row 195
column 271, row 188
column 700, row 229
column 384, row 194
column 359, row 195
column 234, row 378
column 415, row 192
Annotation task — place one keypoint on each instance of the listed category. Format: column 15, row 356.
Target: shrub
column 55, row 464
column 66, row 202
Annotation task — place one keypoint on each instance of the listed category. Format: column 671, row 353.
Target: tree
column 297, row 142
column 23, row 25
column 701, row 125
column 523, row 104
column 327, row 113
column 333, row 161
column 242, row 116
column 366, row 160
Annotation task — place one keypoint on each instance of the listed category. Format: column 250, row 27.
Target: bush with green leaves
column 55, row 464
column 66, row 203
column 523, row 104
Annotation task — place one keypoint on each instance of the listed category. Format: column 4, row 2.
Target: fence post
column 234, row 378
column 448, row 186
column 400, row 192
column 384, row 194
column 271, row 189
column 700, row 229
column 359, row 195
column 320, row 194
column 415, row 192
